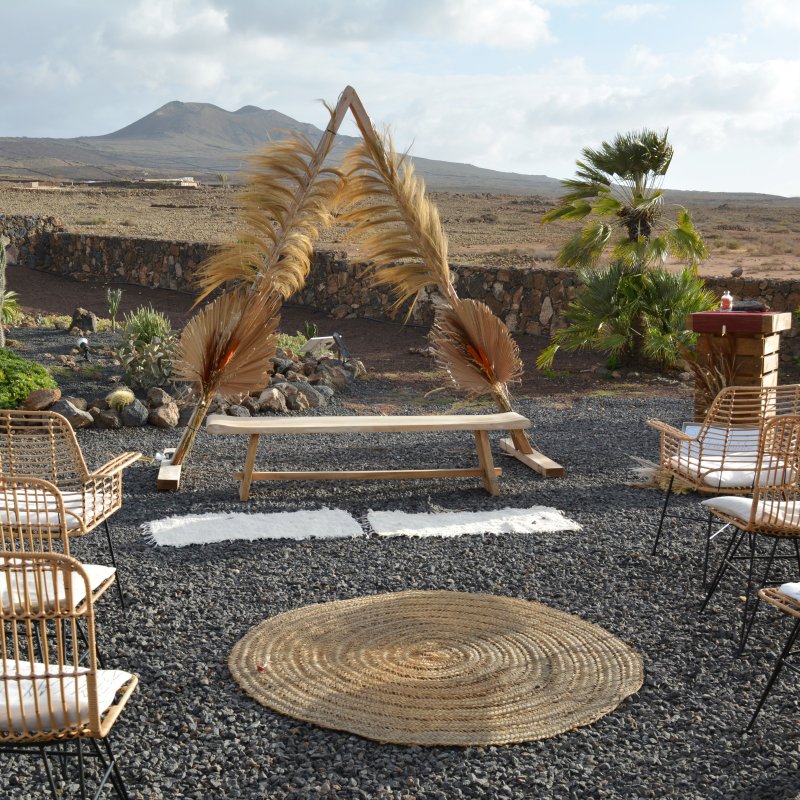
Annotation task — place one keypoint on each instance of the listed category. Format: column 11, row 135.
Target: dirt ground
column 483, row 229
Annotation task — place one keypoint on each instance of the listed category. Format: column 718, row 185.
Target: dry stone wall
column 528, row 300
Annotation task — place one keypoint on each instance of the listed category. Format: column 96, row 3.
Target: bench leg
column 247, row 473
column 485, row 460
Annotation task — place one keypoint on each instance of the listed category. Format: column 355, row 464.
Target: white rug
column 538, row 519
column 326, row 523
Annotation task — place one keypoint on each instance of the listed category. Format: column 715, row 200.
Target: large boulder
column 315, row 399
column 166, row 416
column 272, row 399
column 84, row 320
column 107, row 419
column 156, row 397
column 135, row 414
column 75, row 416
column 237, row 411
column 41, row 399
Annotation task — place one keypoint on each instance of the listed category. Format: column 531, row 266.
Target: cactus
column 4, row 240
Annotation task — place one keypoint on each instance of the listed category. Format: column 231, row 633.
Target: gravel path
column 190, row 732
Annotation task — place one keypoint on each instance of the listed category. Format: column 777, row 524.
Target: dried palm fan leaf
column 226, row 349
column 476, row 350
column 386, row 203
column 286, row 201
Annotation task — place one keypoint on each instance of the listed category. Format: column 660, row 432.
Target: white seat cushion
column 19, row 697
column 29, row 507
column 97, row 574
column 787, row 513
column 791, row 589
column 734, row 471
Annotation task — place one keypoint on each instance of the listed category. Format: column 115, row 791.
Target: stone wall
column 527, row 300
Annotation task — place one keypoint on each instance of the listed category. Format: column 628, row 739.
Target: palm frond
column 286, row 201
column 227, row 345
column 386, row 203
column 475, row 348
column 585, row 248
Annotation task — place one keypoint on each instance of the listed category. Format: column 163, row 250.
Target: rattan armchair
column 786, row 598
column 772, row 515
column 41, row 445
column 53, row 697
column 720, row 454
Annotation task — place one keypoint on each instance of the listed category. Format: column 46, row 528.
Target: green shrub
column 19, row 377
column 291, row 344
column 9, row 308
column 147, row 363
column 146, row 324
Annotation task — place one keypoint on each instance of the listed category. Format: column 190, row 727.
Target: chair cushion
column 97, row 574
column 38, row 508
column 791, row 589
column 737, row 470
column 787, row 513
column 19, row 697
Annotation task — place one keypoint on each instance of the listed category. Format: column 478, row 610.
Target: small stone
column 298, row 402
column 325, row 391
column 315, row 399
column 156, row 397
column 134, row 415
column 165, row 416
column 41, row 399
column 251, row 404
column 236, row 410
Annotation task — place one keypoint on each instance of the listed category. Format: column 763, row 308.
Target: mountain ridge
column 203, row 140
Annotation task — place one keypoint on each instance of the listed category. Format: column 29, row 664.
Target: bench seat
column 478, row 424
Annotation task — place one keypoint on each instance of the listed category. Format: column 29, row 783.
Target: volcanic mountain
column 201, row 140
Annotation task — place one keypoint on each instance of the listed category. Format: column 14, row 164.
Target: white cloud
column 633, row 12
column 640, row 57
column 772, row 13
column 502, row 23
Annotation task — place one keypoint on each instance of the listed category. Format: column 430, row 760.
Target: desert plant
column 19, row 377
column 309, row 331
column 619, row 188
column 120, row 398
column 114, row 297
column 4, row 240
column 147, row 363
column 146, row 324
column 714, row 369
column 9, row 308
column 631, row 313
column 291, row 344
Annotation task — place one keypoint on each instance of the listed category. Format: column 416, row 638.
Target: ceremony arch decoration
column 290, row 194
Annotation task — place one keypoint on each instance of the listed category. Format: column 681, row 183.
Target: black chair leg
column 116, row 777
column 51, row 782
column 730, row 552
column 114, row 564
column 749, row 618
column 663, row 514
column 775, row 672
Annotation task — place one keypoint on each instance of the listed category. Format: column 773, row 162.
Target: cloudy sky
column 512, row 85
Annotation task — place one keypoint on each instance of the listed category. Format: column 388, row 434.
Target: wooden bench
column 479, row 424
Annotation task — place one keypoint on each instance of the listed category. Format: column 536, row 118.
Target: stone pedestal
column 743, row 346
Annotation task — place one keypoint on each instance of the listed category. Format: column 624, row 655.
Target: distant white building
column 187, row 181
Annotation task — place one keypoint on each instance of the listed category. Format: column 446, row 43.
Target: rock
column 296, row 377
column 236, row 410
column 41, row 399
column 156, row 397
column 546, row 314
column 165, row 416
column 272, row 400
column 251, row 404
column 67, row 361
column 325, row 391
column 315, row 399
column 185, row 415
column 298, row 402
column 134, row 415
column 357, row 367
column 78, row 402
column 281, row 365
column 333, row 376
column 84, row 320
column 109, row 419
column 75, row 416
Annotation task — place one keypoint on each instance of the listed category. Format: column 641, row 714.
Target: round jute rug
column 437, row 668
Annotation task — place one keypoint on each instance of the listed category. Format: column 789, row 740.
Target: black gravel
column 190, row 732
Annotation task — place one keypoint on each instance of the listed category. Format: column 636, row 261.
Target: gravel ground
column 189, row 731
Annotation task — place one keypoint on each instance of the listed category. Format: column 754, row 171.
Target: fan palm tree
column 618, row 187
